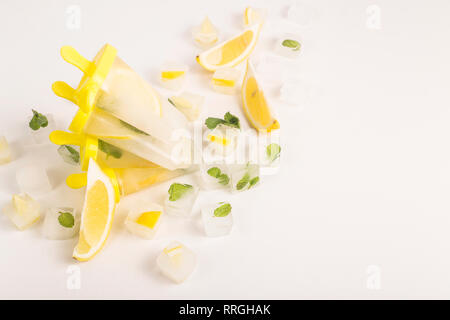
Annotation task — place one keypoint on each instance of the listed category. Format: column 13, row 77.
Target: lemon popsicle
column 131, row 172
column 116, row 103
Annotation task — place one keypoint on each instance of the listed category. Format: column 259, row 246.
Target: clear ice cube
column 23, row 211
column 215, row 176
column 225, row 80
column 189, row 104
column 41, row 136
column 223, row 140
column 70, row 154
column 183, row 201
column 244, row 177
column 61, row 223
column 145, row 221
column 289, row 45
column 217, row 219
column 33, row 179
column 205, row 35
column 173, row 75
column 176, row 262
column 5, row 151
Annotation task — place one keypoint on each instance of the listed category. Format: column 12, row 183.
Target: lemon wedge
column 97, row 214
column 254, row 15
column 231, row 52
column 255, row 104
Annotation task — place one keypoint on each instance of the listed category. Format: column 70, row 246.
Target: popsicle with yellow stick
column 119, row 107
column 129, row 172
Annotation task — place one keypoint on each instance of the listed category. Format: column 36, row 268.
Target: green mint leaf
column 177, row 191
column 228, row 119
column 212, row 123
column 38, row 121
column 69, row 154
column 293, row 44
column 172, row 103
column 273, row 151
column 214, row 172
column 109, row 149
column 243, row 182
column 224, row 179
column 231, row 120
column 132, row 128
column 66, row 219
column 254, row 181
column 223, row 210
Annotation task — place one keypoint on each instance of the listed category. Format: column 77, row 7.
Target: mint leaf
column 132, row 128
column 69, row 154
column 66, row 219
column 293, row 44
column 211, row 123
column 214, row 172
column 231, row 120
column 177, row 191
column 243, row 182
column 38, row 121
column 109, row 149
column 254, row 181
column 224, row 179
column 223, row 210
column 273, row 151
column 228, row 119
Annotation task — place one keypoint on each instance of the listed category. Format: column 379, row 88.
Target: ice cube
column 181, row 199
column 223, row 140
column 217, row 219
column 33, row 179
column 189, row 104
column 41, row 135
column 215, row 176
column 244, row 177
column 173, row 75
column 205, row 35
column 176, row 262
column 288, row 45
column 23, row 211
column 5, row 151
column 302, row 14
column 144, row 222
column 225, row 80
column 61, row 223
column 70, row 154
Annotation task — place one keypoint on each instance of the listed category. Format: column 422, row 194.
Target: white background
column 365, row 173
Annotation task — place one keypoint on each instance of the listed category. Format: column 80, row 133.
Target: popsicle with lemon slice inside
column 131, row 172
column 117, row 105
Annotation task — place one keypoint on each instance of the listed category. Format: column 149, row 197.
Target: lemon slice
column 255, row 103
column 170, row 75
column 97, row 215
column 232, row 52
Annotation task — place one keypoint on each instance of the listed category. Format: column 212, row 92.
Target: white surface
column 365, row 174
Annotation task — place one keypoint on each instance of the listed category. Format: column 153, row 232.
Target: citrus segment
column 255, row 103
column 231, row 52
